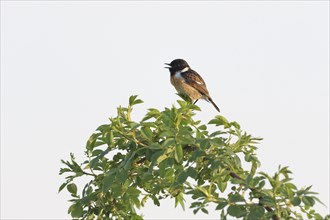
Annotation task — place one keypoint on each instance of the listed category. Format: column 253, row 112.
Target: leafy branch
column 169, row 154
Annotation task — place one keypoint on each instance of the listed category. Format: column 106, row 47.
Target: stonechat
column 188, row 82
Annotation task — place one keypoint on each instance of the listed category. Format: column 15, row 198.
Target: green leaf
column 267, row 200
column 178, row 153
column 72, row 188
column 152, row 113
column 103, row 128
column 217, row 142
column 147, row 176
column 133, row 192
column 98, row 143
column 116, row 189
column 291, row 186
column 261, row 184
column 168, row 142
column 219, row 120
column 317, row 216
column 134, row 101
column 237, row 211
column 236, row 198
column 318, row 200
column 185, row 139
column 91, row 141
column 155, row 200
column 138, row 101
column 146, row 131
column 256, row 212
column 96, row 152
column 155, row 146
column 155, row 156
column 144, row 200
column 223, row 216
column 182, row 177
column 202, row 127
column 133, row 125
column 254, row 167
column 76, row 210
column 192, row 172
column 65, row 170
column 179, row 199
column 203, row 190
column 204, row 144
column 185, row 98
column 135, row 201
column 222, row 185
column 161, row 158
column 107, row 182
column 205, row 210
column 308, row 201
column 221, row 204
column 296, row 201
column 216, row 133
column 235, row 125
column 62, row 186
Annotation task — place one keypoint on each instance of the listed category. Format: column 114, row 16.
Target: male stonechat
column 188, row 82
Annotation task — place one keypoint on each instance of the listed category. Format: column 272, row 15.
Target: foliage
column 169, row 154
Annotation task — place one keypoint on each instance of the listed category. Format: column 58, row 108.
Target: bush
column 169, row 154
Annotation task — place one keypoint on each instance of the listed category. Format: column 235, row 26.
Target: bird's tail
column 215, row 106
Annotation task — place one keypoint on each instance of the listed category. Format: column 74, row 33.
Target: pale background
column 66, row 66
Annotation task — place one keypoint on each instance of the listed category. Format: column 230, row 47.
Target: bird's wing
column 193, row 79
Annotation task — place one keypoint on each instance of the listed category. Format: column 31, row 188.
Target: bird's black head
column 177, row 65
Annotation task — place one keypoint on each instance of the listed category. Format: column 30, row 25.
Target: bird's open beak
column 168, row 65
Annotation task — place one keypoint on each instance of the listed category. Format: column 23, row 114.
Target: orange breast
column 183, row 88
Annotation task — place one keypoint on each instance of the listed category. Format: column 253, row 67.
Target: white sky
column 66, row 66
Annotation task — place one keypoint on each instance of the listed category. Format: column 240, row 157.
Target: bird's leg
column 195, row 101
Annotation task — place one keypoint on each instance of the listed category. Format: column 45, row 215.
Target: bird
column 188, row 82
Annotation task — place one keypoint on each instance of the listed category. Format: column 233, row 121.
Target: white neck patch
column 184, row 70
column 178, row 73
